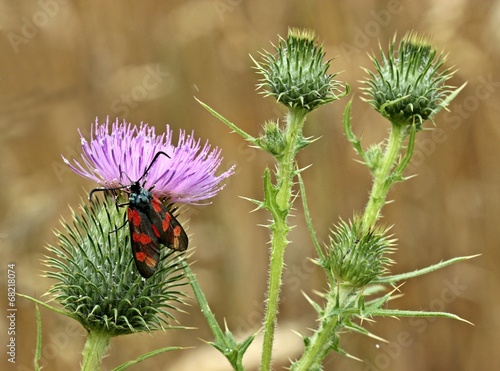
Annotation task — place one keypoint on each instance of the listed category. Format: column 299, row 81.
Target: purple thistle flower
column 121, row 157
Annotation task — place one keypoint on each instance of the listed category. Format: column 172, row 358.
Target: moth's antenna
column 152, row 163
column 122, row 172
column 104, row 189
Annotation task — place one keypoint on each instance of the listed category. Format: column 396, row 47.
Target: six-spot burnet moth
column 151, row 224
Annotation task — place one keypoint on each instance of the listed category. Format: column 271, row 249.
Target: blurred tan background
column 64, row 63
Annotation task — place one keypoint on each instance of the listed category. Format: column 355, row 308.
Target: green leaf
column 348, row 355
column 398, row 171
column 233, row 350
column 307, row 216
column 260, row 204
column 270, row 195
column 356, row 143
column 224, row 341
column 374, row 289
column 422, row 271
column 315, row 305
column 145, row 356
column 202, row 301
column 361, row 330
column 415, row 313
column 65, row 313
column 232, row 126
column 376, row 304
column 449, row 98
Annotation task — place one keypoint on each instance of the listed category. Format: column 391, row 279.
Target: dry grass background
column 78, row 60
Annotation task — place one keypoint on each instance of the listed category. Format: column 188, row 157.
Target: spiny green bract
column 273, row 140
column 355, row 259
column 97, row 281
column 407, row 87
column 296, row 75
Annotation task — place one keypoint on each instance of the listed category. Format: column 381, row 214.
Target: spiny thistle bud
column 356, row 259
column 297, row 73
column 97, row 283
column 273, row 140
column 407, row 87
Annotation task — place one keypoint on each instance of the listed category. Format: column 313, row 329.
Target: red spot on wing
column 140, row 256
column 145, row 258
column 142, row 238
column 165, row 224
column 177, row 233
column 134, row 217
column 155, row 230
column 157, row 206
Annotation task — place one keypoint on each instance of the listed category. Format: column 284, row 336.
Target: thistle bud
column 355, row 259
column 297, row 73
column 96, row 280
column 273, row 140
column 407, row 87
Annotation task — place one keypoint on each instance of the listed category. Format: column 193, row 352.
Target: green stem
column 279, row 208
column 279, row 243
column 38, row 349
column 326, row 337
column 286, row 165
column 382, row 180
column 203, row 303
column 94, row 350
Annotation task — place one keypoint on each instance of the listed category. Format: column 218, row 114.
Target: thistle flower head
column 97, row 283
column 119, row 157
column 355, row 259
column 297, row 74
column 407, row 86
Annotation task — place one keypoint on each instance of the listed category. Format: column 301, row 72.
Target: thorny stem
column 279, row 208
column 326, row 336
column 382, row 180
column 95, row 349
